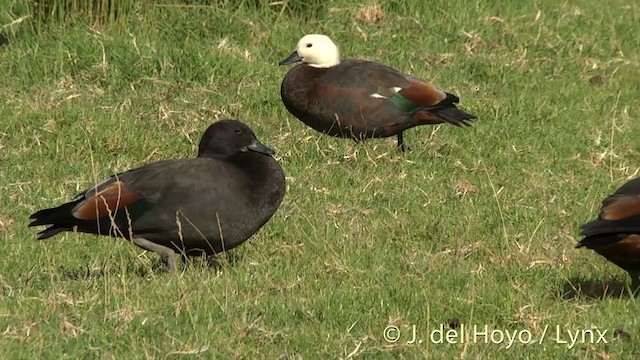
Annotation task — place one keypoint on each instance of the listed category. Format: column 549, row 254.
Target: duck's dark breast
column 213, row 206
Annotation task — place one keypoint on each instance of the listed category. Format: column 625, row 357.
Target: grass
column 476, row 226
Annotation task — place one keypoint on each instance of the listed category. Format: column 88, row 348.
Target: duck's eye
column 237, row 131
column 309, row 45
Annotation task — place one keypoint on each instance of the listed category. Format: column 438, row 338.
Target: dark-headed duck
column 194, row 206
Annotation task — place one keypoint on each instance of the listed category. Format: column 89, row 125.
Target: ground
column 473, row 227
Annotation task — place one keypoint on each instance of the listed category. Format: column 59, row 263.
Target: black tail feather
column 455, row 116
column 51, row 231
column 60, row 218
column 59, row 214
column 449, row 112
column 608, row 227
column 598, row 241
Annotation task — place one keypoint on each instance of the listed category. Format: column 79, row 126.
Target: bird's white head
column 315, row 50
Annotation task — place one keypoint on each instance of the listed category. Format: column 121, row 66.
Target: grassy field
column 475, row 226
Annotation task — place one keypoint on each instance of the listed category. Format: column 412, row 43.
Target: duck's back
column 620, row 213
column 615, row 234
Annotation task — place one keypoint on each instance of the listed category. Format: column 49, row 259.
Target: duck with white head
column 360, row 99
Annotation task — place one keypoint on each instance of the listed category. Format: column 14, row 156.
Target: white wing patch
column 392, row 91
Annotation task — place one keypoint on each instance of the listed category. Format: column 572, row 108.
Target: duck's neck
column 331, row 62
column 266, row 178
column 263, row 170
column 297, row 85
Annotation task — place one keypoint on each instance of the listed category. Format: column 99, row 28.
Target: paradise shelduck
column 616, row 233
column 194, row 206
column 360, row 99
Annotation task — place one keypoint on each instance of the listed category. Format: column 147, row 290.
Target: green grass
column 475, row 224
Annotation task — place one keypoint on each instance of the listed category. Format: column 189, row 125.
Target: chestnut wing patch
column 108, row 200
column 422, row 93
column 620, row 208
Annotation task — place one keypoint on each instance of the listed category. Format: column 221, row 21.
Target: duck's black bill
column 294, row 57
column 257, row 146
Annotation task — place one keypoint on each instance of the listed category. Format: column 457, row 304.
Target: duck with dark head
column 194, row 206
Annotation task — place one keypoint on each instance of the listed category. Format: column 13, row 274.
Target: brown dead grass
column 371, row 14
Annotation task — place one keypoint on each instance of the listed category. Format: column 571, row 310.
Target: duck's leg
column 186, row 260
column 400, row 142
column 635, row 283
column 167, row 255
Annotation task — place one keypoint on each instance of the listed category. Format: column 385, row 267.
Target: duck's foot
column 167, row 255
